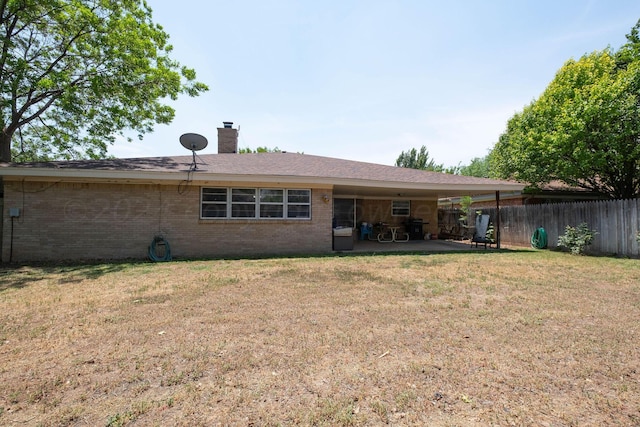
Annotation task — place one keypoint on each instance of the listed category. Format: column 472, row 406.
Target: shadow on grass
column 434, row 252
column 19, row 276
column 367, row 253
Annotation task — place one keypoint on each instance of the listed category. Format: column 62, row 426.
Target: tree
column 259, row 150
column 479, row 167
column 74, row 74
column 418, row 160
column 583, row 130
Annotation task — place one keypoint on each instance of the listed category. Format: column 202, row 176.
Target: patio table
column 394, row 235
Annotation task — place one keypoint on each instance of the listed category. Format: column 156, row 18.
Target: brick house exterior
column 113, row 209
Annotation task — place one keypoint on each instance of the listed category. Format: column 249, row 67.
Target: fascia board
column 195, row 177
column 496, row 186
column 77, row 175
column 286, row 179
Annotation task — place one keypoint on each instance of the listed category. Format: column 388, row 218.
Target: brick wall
column 227, row 140
column 118, row 221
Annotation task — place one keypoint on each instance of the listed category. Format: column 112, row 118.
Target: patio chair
column 366, row 231
column 480, row 234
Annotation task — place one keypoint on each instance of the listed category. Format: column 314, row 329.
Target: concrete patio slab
column 373, row 246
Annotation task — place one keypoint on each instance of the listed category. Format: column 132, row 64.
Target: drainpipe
column 13, row 213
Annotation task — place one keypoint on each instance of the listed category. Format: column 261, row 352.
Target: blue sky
column 366, row 80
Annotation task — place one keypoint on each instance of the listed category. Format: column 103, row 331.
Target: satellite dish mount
column 193, row 142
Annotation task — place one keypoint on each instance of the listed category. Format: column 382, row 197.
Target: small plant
column 119, row 420
column 576, row 239
column 465, row 207
column 638, row 237
column 491, row 233
column 380, row 410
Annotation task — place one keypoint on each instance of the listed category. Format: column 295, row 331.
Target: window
column 400, row 208
column 243, row 203
column 255, row 203
column 299, row 204
column 214, row 203
column 271, row 203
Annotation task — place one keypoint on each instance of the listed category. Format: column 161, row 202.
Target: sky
column 367, row 80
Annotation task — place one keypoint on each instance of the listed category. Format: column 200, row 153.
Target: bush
column 576, row 239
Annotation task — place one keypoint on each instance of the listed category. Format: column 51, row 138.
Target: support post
column 497, row 219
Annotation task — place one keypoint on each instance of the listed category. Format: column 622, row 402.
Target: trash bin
column 343, row 239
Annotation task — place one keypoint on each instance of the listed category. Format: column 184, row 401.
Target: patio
column 373, row 246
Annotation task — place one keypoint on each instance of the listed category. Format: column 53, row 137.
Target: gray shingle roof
column 269, row 164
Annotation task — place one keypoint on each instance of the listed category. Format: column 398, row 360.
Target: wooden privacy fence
column 616, row 221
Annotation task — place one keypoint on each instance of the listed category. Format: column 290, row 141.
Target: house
column 211, row 205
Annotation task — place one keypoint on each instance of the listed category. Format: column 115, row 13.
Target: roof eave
column 138, row 176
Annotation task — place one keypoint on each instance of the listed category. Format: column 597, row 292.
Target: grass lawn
column 460, row 339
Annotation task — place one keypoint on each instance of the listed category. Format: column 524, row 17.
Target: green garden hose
column 153, row 255
column 539, row 239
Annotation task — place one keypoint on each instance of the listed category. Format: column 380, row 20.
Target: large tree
column 479, row 167
column 584, row 129
column 415, row 159
column 75, row 74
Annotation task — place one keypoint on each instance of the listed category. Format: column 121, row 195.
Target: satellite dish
column 193, row 141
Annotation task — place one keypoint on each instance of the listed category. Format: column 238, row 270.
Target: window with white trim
column 213, row 203
column 257, row 203
column 271, row 203
column 243, row 203
column 299, row 204
column 400, row 207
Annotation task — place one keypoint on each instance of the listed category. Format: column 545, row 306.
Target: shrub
column 576, row 239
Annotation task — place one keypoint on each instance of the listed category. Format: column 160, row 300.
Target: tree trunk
column 5, row 146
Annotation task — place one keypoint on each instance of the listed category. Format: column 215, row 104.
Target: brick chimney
column 227, row 138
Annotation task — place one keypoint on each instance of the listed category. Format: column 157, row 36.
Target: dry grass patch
column 511, row 338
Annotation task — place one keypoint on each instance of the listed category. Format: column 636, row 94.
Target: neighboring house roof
column 554, row 191
column 559, row 186
column 347, row 177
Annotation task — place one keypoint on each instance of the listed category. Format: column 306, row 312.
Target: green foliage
column 259, row 150
column 491, row 232
column 583, row 130
column 479, row 167
column 452, row 170
column 120, row 420
column 418, row 160
column 75, row 74
column 465, row 207
column 576, row 239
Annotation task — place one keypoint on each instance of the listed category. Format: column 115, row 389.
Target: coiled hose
column 539, row 239
column 153, row 254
